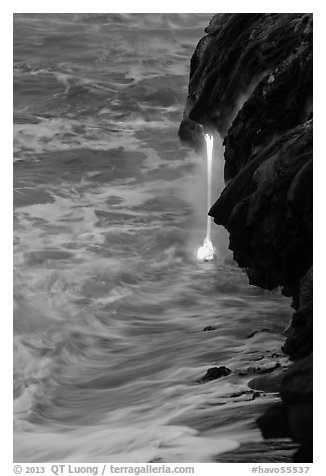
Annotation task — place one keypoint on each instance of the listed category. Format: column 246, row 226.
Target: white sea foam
column 129, row 444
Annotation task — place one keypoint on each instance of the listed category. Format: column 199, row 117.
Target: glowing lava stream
column 206, row 251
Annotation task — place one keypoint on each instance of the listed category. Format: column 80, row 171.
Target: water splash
column 207, row 250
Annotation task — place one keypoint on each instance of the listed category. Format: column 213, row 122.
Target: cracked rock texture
column 251, row 82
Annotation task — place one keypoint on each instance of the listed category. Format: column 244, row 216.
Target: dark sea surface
column 109, row 211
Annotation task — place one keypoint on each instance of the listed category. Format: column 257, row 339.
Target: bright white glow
column 206, row 252
column 209, row 147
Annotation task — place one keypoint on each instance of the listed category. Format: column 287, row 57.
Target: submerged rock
column 251, row 82
column 214, row 373
column 273, row 451
column 252, row 334
column 268, row 383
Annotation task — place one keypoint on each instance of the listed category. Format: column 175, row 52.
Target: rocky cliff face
column 251, row 81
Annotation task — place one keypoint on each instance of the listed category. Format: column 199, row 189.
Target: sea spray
column 206, row 251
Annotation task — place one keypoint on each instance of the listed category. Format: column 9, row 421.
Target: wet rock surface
column 251, row 82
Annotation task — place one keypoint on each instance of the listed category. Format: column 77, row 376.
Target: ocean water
column 110, row 304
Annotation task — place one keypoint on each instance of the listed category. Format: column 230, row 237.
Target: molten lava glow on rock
column 206, row 252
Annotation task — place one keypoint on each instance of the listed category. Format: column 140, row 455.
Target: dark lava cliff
column 251, row 81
